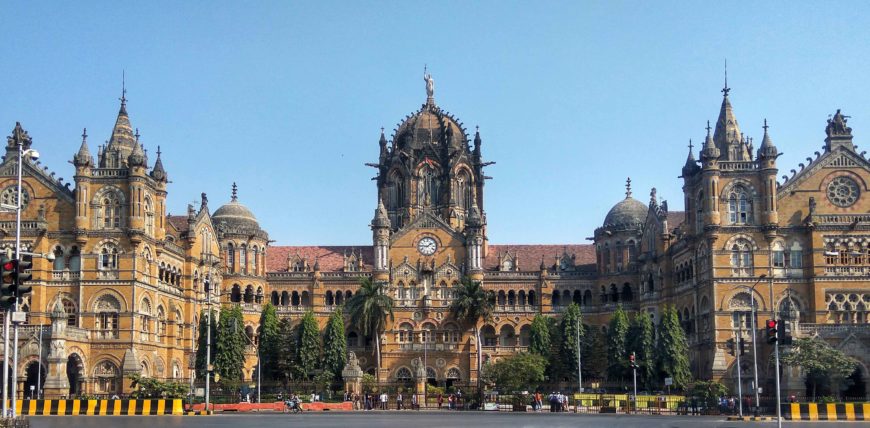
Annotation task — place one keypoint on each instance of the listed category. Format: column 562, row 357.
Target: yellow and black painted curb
column 100, row 407
column 826, row 411
column 199, row 412
column 752, row 418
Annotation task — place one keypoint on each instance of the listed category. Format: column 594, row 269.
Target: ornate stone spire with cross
column 235, row 196
column 627, row 187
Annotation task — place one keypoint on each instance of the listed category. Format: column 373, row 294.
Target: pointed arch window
column 58, row 264
column 395, row 197
column 109, row 258
column 231, row 257
column 255, row 260
column 428, row 191
column 243, row 258
column 699, row 213
column 111, row 205
column 149, row 217
column 739, row 206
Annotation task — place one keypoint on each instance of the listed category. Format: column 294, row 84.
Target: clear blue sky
column 287, row 98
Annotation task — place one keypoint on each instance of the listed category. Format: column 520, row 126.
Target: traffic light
column 742, row 347
column 22, row 275
column 7, row 282
column 772, row 331
column 632, row 361
column 729, row 346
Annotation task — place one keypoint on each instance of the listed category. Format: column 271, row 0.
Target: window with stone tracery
column 739, row 206
column 149, row 217
column 109, row 258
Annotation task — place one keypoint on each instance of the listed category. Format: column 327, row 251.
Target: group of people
column 558, row 402
column 731, row 405
column 381, row 401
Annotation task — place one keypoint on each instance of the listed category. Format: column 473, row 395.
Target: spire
column 137, row 156
column 727, row 131
column 691, row 164
column 767, row 149
column 474, row 217
column 123, row 92
column 627, row 187
column 123, row 139
column 382, row 219
column 710, row 151
column 235, row 194
column 158, row 173
column 477, row 140
column 83, row 157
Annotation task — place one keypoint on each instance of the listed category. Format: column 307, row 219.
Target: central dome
column 429, row 125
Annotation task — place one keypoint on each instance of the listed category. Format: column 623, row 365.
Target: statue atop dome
column 430, row 84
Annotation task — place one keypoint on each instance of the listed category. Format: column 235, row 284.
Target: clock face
column 427, row 246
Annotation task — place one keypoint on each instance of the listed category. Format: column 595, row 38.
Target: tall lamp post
column 207, row 284
column 21, row 155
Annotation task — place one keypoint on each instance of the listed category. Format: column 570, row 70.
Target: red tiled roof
column 530, row 255
column 178, row 221
column 330, row 258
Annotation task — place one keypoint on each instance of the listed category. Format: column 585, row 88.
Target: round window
column 9, row 196
column 843, row 192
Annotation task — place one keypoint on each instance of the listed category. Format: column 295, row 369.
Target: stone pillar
column 352, row 375
column 56, row 380
column 420, row 380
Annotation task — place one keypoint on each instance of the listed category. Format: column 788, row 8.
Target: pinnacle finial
column 123, row 88
column 136, row 134
column 158, row 151
column 84, row 135
column 235, row 196
column 708, row 128
column 765, row 125
column 690, row 145
column 627, row 187
column 726, row 89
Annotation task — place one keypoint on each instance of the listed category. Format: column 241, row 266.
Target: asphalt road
column 402, row 419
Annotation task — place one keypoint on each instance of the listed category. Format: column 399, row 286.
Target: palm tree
column 471, row 303
column 368, row 310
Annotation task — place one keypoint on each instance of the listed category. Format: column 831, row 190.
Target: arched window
column 587, row 297
column 453, row 374
column 501, row 298
column 231, row 257
column 149, row 217
column 532, row 300
column 107, row 378
column 741, row 258
column 427, row 335
column 395, row 197
column 352, row 339
column 109, row 258
column 699, row 213
column 249, row 294
column 58, row 264
column 258, row 298
column 525, row 335
column 161, row 323
column 75, row 260
column 556, row 298
column 107, row 309
column 243, row 258
column 488, row 336
column 276, row 300
column 463, row 191
column 739, row 206
column 403, row 374
column 627, row 294
column 72, row 316
column 451, row 333
column 255, row 260
column 329, row 299
column 507, row 336
column 236, row 294
column 111, row 206
column 406, row 333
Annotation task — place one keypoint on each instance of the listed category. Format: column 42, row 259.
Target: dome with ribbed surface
column 235, row 215
column 627, row 212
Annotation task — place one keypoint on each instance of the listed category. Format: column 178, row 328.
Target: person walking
column 539, row 403
column 440, row 400
column 414, row 403
column 399, row 404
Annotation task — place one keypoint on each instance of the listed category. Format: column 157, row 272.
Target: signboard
column 200, row 392
column 490, row 406
column 669, row 381
column 19, row 316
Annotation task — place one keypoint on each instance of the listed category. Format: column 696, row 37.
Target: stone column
column 56, row 380
column 352, row 375
column 420, row 380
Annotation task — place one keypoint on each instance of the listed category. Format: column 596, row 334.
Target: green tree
column 335, row 344
column 308, row 345
column 368, row 310
column 518, row 372
column 708, row 392
column 672, row 349
column 641, row 341
column 472, row 304
column 539, row 336
column 285, row 365
column 594, row 354
column 146, row 387
column 201, row 343
column 230, row 352
column 617, row 354
column 572, row 330
column 270, row 341
column 821, row 363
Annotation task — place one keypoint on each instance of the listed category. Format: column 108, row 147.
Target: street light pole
column 208, row 345
column 738, row 345
column 259, row 367
column 579, row 366
column 775, row 352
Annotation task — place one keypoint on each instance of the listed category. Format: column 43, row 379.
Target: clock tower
column 429, row 229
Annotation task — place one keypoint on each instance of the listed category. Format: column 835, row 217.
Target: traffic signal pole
column 738, row 344
column 17, row 257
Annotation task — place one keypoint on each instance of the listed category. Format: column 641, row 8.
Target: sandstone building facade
column 126, row 286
